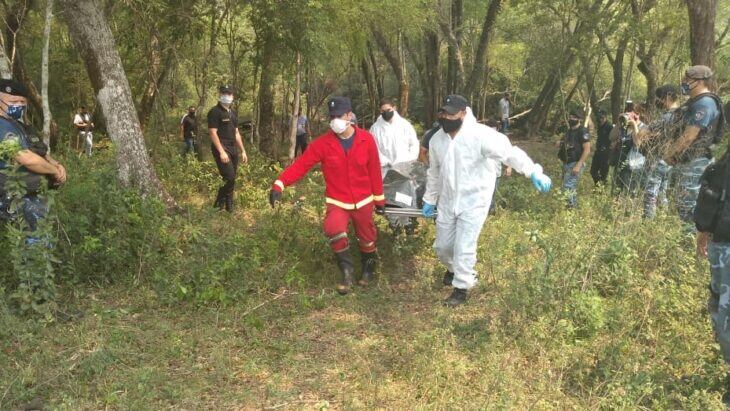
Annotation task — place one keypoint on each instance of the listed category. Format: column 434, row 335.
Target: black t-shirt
column 226, row 121
column 427, row 137
column 604, row 136
column 573, row 143
column 190, row 126
column 346, row 143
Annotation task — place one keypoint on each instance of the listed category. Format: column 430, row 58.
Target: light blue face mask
column 15, row 112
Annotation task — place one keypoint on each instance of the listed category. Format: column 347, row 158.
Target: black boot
column 219, row 200
column 457, row 297
column 369, row 261
column 229, row 203
column 347, row 268
column 448, row 277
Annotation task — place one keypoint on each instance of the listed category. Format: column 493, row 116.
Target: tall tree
column 395, row 57
column 473, row 85
column 44, row 73
column 94, row 41
column 702, row 14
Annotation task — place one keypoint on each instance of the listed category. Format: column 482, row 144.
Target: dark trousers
column 600, row 165
column 301, row 143
column 227, row 171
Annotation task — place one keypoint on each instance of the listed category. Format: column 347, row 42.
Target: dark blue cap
column 13, row 87
column 454, row 104
column 225, row 89
column 339, row 106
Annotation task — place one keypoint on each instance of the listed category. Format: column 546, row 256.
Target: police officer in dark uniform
column 31, row 156
column 600, row 163
column 189, row 130
column 573, row 151
column 226, row 144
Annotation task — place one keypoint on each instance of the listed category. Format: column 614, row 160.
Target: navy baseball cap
column 339, row 105
column 225, row 89
column 454, row 104
column 13, row 87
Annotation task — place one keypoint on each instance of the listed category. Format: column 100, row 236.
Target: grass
column 583, row 309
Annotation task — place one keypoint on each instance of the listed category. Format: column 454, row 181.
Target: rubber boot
column 369, row 262
column 347, row 269
column 448, row 277
column 457, row 297
column 229, row 202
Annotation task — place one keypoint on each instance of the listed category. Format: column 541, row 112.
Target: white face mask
column 339, row 125
column 226, row 99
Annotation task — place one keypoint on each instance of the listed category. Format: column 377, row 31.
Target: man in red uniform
column 354, row 188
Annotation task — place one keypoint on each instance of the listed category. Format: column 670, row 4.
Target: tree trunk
column 617, row 65
column 158, row 71
column 540, row 108
column 377, row 76
column 473, row 85
column 702, row 15
column 94, row 41
column 295, row 111
column 44, row 74
column 6, row 70
column 395, row 59
column 648, row 68
column 453, row 32
column 267, row 130
column 433, row 73
column 370, row 85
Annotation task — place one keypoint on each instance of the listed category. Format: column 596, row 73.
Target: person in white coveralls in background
column 461, row 183
column 395, row 136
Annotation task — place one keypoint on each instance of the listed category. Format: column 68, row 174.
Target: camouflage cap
column 698, row 72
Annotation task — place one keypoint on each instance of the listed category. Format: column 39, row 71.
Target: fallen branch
column 276, row 297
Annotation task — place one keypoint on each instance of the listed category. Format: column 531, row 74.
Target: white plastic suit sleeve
column 499, row 148
column 414, row 146
column 433, row 179
column 376, row 130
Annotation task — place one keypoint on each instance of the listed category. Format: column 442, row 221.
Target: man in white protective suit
column 395, row 136
column 461, row 183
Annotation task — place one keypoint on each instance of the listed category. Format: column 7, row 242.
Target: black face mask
column 573, row 123
column 387, row 115
column 450, row 126
column 191, row 113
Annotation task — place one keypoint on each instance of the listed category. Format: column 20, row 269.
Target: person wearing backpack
column 691, row 152
column 712, row 220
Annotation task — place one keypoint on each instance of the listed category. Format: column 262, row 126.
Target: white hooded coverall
column 461, row 183
column 397, row 141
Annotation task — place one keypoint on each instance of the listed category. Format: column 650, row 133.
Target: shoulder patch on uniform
column 700, row 114
column 10, row 136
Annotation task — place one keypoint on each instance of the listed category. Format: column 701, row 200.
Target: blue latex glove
column 429, row 210
column 541, row 182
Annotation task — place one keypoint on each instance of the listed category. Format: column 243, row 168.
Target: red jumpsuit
column 353, row 186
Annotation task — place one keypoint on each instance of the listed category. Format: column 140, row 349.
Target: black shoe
column 369, row 261
column 457, row 297
column 347, row 269
column 229, row 203
column 448, row 277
